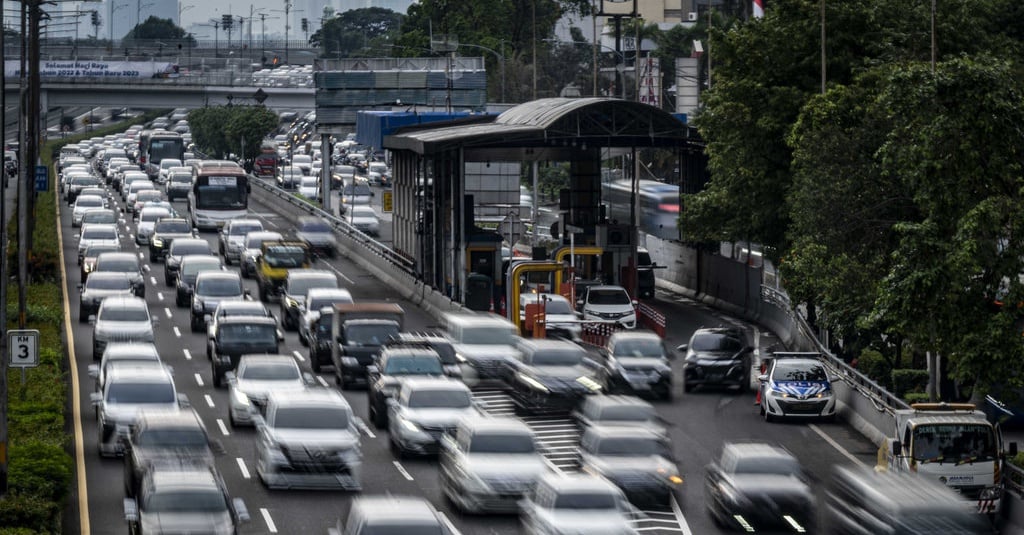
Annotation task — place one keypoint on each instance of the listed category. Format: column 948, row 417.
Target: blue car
column 796, row 385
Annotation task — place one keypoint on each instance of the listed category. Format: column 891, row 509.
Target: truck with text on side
column 349, row 337
column 952, row 443
column 274, row 262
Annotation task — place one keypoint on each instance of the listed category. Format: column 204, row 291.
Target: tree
column 157, row 29
column 349, row 33
column 208, row 132
column 222, row 130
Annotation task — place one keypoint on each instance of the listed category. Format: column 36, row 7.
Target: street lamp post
column 501, row 60
column 182, row 9
column 113, row 7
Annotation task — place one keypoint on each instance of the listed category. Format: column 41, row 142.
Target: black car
column 196, row 498
column 550, row 375
column 436, row 341
column 164, row 233
column 161, row 437
column 716, row 356
column 237, row 336
column 394, row 363
column 639, row 461
column 181, row 248
column 754, row 486
column 635, row 363
column 189, row 269
column 126, row 263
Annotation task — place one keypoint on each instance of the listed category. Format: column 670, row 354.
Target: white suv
column 608, row 303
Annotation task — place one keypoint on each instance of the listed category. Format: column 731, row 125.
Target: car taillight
column 666, row 207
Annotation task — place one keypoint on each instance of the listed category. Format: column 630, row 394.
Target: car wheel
column 231, row 418
column 152, row 257
column 194, row 324
column 178, row 301
column 767, row 415
column 263, row 295
column 168, row 280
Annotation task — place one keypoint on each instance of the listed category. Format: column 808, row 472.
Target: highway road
column 700, row 421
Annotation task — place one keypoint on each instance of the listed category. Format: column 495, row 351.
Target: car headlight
column 88, row 267
column 291, row 303
column 824, row 393
column 349, row 361
column 591, row 384
column 532, row 383
column 240, row 397
column 411, row 426
column 157, row 242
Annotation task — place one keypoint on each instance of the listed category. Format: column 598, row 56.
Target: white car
column 317, row 299
column 148, row 216
column 97, row 234
column 255, row 378
column 577, row 503
column 364, row 219
column 165, row 165
column 423, row 409
column 309, row 187
column 608, row 303
column 561, row 321
column 84, row 203
column 796, row 387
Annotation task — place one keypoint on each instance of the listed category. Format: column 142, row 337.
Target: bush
column 916, row 397
column 906, row 381
column 874, row 365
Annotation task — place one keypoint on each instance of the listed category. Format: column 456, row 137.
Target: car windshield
column 219, row 287
column 767, row 465
column 300, row 286
column 149, row 195
column 195, row 266
column 370, row 334
column 267, row 371
column 250, row 333
column 799, row 371
column 557, row 357
column 639, row 348
column 186, row 501
column 314, row 226
column 172, row 438
column 585, row 500
column 285, row 256
column 99, row 216
column 243, row 229
column 95, row 250
column 122, row 392
column 119, row 265
column 186, row 248
column 419, row 365
column 716, row 342
column 630, row 446
column 183, row 178
column 88, row 202
column 311, row 418
column 321, row 302
column 363, row 211
column 439, row 399
column 357, row 190
column 153, row 215
column 173, row 227
column 99, row 233
column 108, row 283
column 608, row 297
column 117, row 313
column 486, row 335
column 393, row 527
column 502, row 443
column 953, row 443
column 627, row 413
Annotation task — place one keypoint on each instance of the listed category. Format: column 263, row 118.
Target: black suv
column 385, row 376
column 237, row 336
column 164, row 232
column 717, row 356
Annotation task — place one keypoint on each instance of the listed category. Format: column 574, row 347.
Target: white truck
column 952, row 443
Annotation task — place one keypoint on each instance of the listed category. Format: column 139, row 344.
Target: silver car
column 372, row 515
column 252, row 250
column 120, row 319
column 128, row 389
column 489, row 464
column 308, row 440
column 364, row 219
column 423, row 410
column 93, row 234
column 184, row 500
column 83, row 204
column 316, row 299
column 99, row 287
column 121, row 353
column 232, row 238
column 639, row 461
column 148, row 217
column 571, row 503
column 255, row 378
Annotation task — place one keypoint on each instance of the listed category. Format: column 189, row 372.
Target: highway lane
column 700, row 421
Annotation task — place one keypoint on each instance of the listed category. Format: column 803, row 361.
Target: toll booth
column 521, row 274
column 484, row 284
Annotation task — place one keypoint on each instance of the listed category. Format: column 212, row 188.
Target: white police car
column 796, row 385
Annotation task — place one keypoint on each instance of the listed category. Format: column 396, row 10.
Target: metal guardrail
column 371, row 245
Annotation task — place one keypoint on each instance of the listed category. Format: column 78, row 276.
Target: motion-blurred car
column 145, row 197
column 120, row 319
column 796, row 386
column 354, row 193
column 423, row 410
column 179, row 184
column 190, row 268
column 308, row 440
column 639, row 461
column 255, row 377
column 634, row 362
column 98, row 287
column 576, row 503
column 316, row 299
column 375, row 515
column 126, row 391
column 438, row 342
column 550, row 375
column 560, row 320
column 391, row 366
column 489, row 464
column 89, row 257
column 619, row 411
column 716, row 356
column 123, row 263
column 126, row 353
column 309, row 187
column 364, row 219
column 317, row 234
column 252, row 249
column 296, row 288
column 759, row 487
column 83, row 204
column 189, row 500
column 232, row 238
column 106, row 216
column 177, row 439
column 236, row 336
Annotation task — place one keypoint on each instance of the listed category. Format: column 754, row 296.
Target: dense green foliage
column 155, row 28
column 354, row 31
column 222, row 130
column 892, row 199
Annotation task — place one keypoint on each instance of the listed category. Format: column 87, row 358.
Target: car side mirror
column 896, row 448
column 635, row 303
column 92, row 319
column 183, row 401
column 241, row 511
column 96, row 398
column 94, row 371
column 230, row 377
column 762, row 378
column 131, row 510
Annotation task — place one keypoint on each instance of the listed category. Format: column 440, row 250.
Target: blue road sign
column 41, row 178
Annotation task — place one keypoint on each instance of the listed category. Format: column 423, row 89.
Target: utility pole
column 3, row 283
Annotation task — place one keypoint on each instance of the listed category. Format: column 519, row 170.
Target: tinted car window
column 172, row 438
column 181, row 249
column 438, row 399
column 608, row 297
column 140, row 393
column 117, row 265
column 502, row 443
column 630, row 446
column 173, row 227
column 301, row 285
column 218, row 287
column 585, row 501
column 271, row 372
column 413, row 366
column 108, row 283
column 786, row 371
column 186, row 501
column 549, row 357
column 716, row 342
column 311, row 418
column 639, row 348
column 248, row 333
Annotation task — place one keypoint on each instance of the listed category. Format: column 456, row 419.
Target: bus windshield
column 220, row 196
column 954, row 443
column 165, row 148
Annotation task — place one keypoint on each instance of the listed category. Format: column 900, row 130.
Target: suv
column 370, row 515
column 125, row 263
column 236, row 336
column 120, row 319
column 233, row 309
column 489, row 464
column 297, row 285
column 97, row 234
column 196, row 499
column 164, row 232
column 576, row 503
column 423, row 409
column 608, row 303
column 157, row 438
column 252, row 248
column 483, row 342
column 308, row 440
column 255, row 378
column 275, row 260
column 190, row 268
column 438, row 342
column 639, row 461
column 99, row 287
column 210, row 289
column 181, row 248
column 550, row 375
column 179, row 184
column 127, row 389
column 233, row 235
column 385, row 376
column 317, row 234
column 634, row 362
column 716, row 356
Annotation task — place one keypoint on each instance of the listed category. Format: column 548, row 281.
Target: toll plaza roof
column 554, row 125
